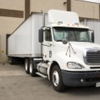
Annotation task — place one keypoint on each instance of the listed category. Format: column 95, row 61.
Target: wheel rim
column 26, row 65
column 55, row 78
column 31, row 67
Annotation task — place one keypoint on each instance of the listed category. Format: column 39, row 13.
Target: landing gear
column 29, row 67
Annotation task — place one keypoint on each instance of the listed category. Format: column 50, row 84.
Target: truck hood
column 85, row 45
column 76, row 52
column 79, row 49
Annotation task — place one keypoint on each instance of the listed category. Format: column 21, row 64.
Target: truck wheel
column 10, row 60
column 56, row 79
column 27, row 66
column 32, row 70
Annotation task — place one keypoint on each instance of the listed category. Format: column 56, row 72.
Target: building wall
column 12, row 4
column 11, row 15
column 85, row 9
column 44, row 5
column 7, row 25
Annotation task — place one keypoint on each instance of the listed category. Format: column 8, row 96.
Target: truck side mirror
column 92, row 36
column 40, row 35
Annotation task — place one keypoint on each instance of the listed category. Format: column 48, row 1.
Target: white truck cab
column 73, row 59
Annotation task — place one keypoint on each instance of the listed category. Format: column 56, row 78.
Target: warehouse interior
column 14, row 12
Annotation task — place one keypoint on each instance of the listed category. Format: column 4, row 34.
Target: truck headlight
column 74, row 65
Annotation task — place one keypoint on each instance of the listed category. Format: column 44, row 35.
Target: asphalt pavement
column 15, row 84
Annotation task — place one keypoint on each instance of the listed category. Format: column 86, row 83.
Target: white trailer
column 24, row 40
column 57, row 47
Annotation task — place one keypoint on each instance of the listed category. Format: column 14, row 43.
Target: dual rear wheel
column 29, row 67
column 56, row 77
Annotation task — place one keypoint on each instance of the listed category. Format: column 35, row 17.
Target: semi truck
column 56, row 46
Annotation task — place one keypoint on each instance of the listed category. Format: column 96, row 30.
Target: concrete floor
column 15, row 84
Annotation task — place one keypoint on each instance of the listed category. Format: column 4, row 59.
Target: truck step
column 41, row 64
column 42, row 75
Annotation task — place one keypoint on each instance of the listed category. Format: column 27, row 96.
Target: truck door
column 47, row 44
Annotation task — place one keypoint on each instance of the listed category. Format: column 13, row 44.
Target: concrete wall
column 84, row 9
column 7, row 25
column 12, row 4
column 11, row 16
column 38, row 5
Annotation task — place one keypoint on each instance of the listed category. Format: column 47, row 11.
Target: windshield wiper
column 58, row 40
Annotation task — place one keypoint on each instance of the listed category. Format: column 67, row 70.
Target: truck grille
column 93, row 80
column 93, row 57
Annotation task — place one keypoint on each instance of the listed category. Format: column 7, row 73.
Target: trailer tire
column 56, row 79
column 32, row 70
column 27, row 66
column 11, row 60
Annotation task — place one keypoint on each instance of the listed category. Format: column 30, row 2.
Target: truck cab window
column 48, row 36
column 72, row 34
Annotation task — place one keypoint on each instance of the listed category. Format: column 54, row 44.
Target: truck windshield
column 72, row 34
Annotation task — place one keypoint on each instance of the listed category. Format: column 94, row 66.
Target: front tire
column 56, row 79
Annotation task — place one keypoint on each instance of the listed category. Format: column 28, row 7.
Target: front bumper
column 80, row 78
